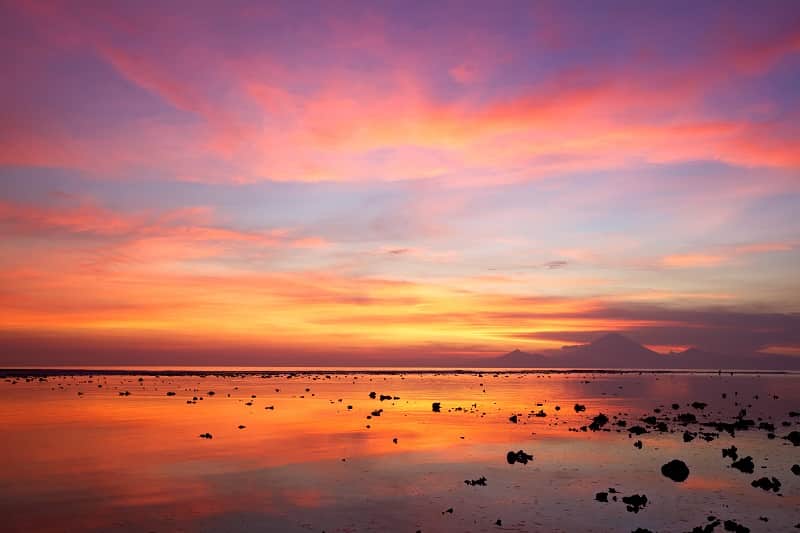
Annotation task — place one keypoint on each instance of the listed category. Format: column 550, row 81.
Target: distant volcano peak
column 614, row 338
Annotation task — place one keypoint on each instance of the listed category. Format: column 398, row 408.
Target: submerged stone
column 518, row 457
column 635, row 503
column 744, row 464
column 767, row 484
column 676, row 470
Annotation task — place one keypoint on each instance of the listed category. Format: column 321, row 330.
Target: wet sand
column 314, row 451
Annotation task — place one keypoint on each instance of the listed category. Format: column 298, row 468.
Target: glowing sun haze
column 325, row 182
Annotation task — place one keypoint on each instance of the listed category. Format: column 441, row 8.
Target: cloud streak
column 371, row 179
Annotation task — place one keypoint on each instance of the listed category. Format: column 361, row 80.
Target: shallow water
column 102, row 461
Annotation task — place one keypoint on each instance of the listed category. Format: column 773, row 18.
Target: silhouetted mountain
column 694, row 358
column 617, row 351
column 520, row 359
column 610, row 351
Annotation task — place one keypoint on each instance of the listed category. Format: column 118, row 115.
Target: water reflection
column 98, row 460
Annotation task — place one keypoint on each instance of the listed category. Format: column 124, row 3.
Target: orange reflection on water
column 101, row 460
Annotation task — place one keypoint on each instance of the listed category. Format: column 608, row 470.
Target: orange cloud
column 692, row 260
column 264, row 118
column 723, row 255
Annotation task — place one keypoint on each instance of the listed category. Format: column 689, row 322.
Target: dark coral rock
column 598, row 422
column 744, row 464
column 730, row 452
column 635, row 503
column 708, row 528
column 731, row 525
column 676, row 470
column 518, row 457
column 767, row 484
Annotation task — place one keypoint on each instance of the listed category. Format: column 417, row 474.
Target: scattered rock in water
column 641, row 530
column 450, row 510
column 598, row 422
column 377, row 412
column 766, row 426
column 744, row 464
column 767, row 484
column 637, row 430
column 384, row 397
column 579, row 408
column 206, row 436
column 473, row 482
column 796, row 470
column 676, row 470
column 730, row 452
column 689, row 436
column 638, row 444
column 687, row 418
column 675, row 406
column 793, row 437
column 373, row 395
column 601, row 497
column 498, row 523
column 170, row 393
column 635, row 503
column 242, row 427
column 518, row 457
column 513, row 419
column 712, row 524
column 731, row 525
column 699, row 405
column 394, row 440
column 708, row 436
column 436, row 407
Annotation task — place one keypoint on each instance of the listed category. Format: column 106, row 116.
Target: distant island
column 614, row 350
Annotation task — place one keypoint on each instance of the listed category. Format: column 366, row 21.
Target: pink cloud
column 722, row 255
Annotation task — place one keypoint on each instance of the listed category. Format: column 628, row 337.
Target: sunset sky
column 263, row 182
